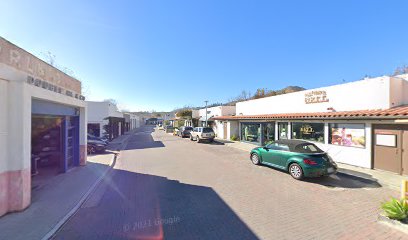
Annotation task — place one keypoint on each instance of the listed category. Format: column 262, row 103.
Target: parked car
column 96, row 146
column 169, row 129
column 184, row 131
column 93, row 137
column 299, row 158
column 202, row 133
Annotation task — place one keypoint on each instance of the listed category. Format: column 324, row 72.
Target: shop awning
column 391, row 113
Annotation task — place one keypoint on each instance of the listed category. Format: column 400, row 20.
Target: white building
column 132, row 121
column 361, row 123
column 103, row 116
column 42, row 124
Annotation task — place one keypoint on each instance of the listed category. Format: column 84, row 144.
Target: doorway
column 46, row 146
column 390, row 148
column 268, row 133
column 54, row 146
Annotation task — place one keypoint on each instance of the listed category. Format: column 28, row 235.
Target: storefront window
column 308, row 131
column 251, row 132
column 351, row 135
column 283, row 130
column 268, row 133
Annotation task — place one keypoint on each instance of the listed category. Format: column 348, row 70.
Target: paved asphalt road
column 167, row 187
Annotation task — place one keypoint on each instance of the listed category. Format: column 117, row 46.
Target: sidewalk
column 384, row 178
column 118, row 143
column 54, row 200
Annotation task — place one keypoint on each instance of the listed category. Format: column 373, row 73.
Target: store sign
column 53, row 88
column 21, row 60
column 307, row 129
column 316, row 97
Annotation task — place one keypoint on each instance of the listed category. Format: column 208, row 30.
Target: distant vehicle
column 184, row 131
column 299, row 158
column 202, row 134
column 169, row 129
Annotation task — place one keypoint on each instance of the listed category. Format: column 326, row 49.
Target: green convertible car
column 299, row 158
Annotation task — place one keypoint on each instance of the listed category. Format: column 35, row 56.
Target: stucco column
column 369, row 144
column 289, row 130
column 83, row 133
column 15, row 177
column 276, row 131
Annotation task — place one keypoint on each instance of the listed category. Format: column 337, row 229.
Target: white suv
column 202, row 133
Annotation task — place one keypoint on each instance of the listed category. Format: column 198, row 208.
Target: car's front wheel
column 255, row 159
column 295, row 170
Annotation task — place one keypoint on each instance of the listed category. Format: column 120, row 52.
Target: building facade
column 132, row 121
column 105, row 120
column 361, row 123
column 42, row 125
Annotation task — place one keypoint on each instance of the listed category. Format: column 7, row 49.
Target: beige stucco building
column 42, row 124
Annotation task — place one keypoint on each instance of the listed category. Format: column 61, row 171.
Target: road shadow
column 342, row 180
column 223, row 141
column 338, row 180
column 130, row 205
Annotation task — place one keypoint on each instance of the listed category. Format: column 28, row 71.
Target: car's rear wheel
column 91, row 149
column 255, row 159
column 295, row 170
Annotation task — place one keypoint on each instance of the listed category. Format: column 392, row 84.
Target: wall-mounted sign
column 388, row 140
column 51, row 87
column 316, row 97
column 307, row 129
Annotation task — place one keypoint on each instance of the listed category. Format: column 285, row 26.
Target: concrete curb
column 61, row 222
column 395, row 224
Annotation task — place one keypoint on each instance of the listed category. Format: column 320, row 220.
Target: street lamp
column 206, row 124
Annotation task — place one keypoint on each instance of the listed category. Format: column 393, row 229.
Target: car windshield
column 188, row 128
column 308, row 148
column 207, row 130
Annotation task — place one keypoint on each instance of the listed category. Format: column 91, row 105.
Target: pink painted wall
column 15, row 194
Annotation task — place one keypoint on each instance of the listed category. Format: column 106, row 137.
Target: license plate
column 330, row 170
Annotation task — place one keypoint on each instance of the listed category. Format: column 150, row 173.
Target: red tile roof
column 393, row 113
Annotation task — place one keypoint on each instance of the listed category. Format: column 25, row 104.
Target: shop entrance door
column 388, row 150
column 268, row 134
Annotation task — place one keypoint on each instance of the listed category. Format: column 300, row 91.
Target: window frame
column 329, row 141
column 310, row 140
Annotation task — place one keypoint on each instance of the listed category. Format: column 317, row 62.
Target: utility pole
column 206, row 124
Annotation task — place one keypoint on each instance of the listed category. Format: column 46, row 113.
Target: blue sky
column 165, row 54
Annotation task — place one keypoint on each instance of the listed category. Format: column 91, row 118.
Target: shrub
column 234, row 138
column 395, row 209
